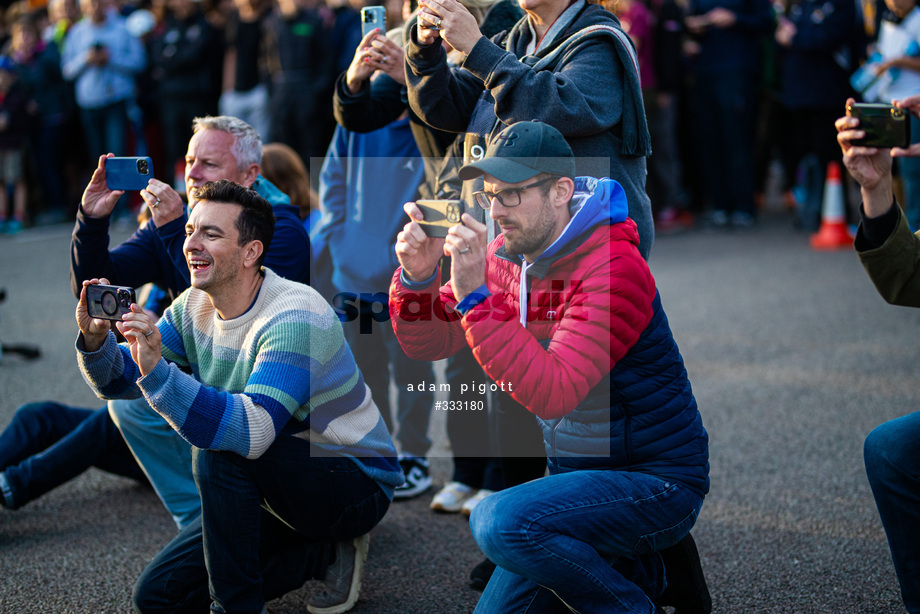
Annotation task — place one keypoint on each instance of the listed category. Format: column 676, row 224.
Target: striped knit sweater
column 281, row 367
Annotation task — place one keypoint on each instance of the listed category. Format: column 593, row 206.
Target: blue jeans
column 267, row 526
column 48, row 444
column 892, row 457
column 584, row 541
column 106, row 129
column 164, row 456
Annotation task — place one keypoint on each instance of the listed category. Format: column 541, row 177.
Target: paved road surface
column 793, row 358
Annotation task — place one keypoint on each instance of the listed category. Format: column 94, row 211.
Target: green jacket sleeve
column 894, row 267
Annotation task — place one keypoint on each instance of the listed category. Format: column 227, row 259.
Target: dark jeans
column 892, row 459
column 379, row 355
column 106, row 129
column 267, row 526
column 475, row 463
column 519, row 441
column 725, row 109
column 47, row 444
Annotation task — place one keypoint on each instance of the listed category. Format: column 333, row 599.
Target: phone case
column 128, row 173
column 373, row 17
column 109, row 302
column 885, row 125
column 440, row 215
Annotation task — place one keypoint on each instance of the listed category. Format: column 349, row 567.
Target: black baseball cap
column 524, row 150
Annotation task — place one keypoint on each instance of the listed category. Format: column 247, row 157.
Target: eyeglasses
column 509, row 197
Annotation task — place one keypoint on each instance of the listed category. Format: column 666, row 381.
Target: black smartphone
column 885, row 125
column 440, row 215
column 128, row 174
column 373, row 17
column 109, row 302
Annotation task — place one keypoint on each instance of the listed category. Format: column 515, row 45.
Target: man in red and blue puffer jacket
column 562, row 313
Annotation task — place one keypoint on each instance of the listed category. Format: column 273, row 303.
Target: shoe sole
column 441, row 509
column 354, row 591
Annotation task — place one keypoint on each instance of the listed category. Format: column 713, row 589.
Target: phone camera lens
column 142, row 167
column 124, row 298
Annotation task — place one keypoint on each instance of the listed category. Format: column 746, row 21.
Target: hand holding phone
column 440, row 215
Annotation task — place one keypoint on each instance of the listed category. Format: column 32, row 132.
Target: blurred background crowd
column 734, row 90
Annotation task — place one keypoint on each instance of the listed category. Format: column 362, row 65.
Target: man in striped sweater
column 290, row 454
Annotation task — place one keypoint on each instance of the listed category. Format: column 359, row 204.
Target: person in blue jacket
column 364, row 182
column 221, row 147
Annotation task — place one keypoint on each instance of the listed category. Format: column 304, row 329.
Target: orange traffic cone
column 833, row 233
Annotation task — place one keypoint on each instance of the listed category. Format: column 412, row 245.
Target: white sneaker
column 451, row 498
column 473, row 501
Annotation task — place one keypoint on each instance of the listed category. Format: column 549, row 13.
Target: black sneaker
column 481, row 574
column 686, row 592
column 417, row 478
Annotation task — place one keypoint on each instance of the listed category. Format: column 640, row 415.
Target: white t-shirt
column 893, row 42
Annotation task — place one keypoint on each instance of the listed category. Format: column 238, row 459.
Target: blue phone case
column 373, row 17
column 128, row 173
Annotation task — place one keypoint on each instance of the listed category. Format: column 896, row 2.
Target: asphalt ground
column 793, row 357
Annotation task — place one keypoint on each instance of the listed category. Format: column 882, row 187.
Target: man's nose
column 496, row 209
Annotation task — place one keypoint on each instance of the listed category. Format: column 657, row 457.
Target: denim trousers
column 583, row 541
column 892, row 458
column 47, row 444
column 267, row 525
column 724, row 106
column 379, row 356
column 164, row 456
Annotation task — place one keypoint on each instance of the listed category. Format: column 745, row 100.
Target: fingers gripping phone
column 885, row 125
column 440, row 215
column 129, row 174
column 109, row 302
column 373, row 17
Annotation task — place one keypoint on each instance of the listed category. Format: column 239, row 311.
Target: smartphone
column 440, row 215
column 373, row 17
column 885, row 125
column 109, row 302
column 128, row 173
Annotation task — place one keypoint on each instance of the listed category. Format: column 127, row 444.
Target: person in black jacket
column 185, row 56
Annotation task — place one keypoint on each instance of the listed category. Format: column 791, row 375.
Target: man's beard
column 534, row 237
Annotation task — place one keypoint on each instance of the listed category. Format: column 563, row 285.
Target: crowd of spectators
column 80, row 80
column 745, row 80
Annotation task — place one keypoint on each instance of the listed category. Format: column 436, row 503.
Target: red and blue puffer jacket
column 586, row 347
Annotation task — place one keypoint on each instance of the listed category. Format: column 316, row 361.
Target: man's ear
column 563, row 190
column 251, row 252
column 249, row 175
